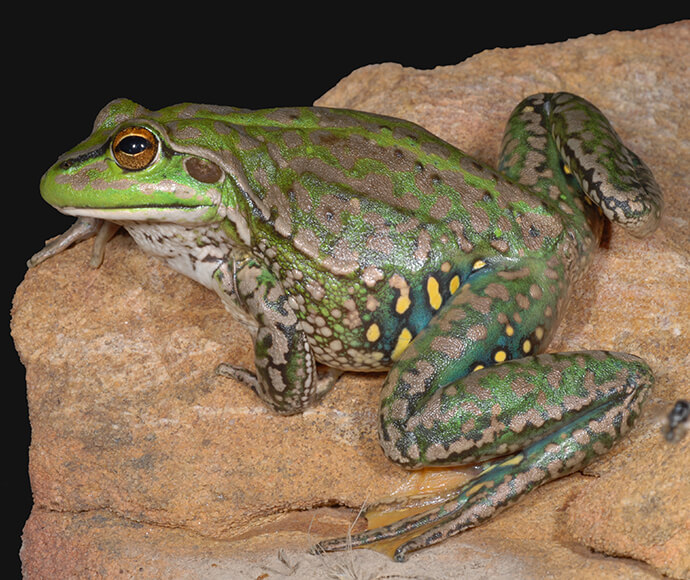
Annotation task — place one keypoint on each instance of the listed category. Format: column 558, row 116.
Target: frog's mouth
column 176, row 214
column 124, row 201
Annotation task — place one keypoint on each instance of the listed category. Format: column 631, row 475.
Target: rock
column 144, row 462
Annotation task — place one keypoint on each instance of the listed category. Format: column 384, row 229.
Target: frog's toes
column 404, row 524
column 239, row 374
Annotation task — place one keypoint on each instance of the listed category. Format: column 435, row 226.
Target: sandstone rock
column 144, row 462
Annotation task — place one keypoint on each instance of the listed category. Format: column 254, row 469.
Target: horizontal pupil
column 133, row 145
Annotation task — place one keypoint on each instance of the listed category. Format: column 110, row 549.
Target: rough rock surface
column 145, row 463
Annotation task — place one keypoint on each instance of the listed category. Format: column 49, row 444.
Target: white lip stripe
column 191, row 215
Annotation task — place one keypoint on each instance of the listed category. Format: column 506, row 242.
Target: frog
column 348, row 241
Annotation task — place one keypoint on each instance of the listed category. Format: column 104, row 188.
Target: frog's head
column 130, row 168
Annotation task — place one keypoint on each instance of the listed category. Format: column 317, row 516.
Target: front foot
column 83, row 229
column 285, row 405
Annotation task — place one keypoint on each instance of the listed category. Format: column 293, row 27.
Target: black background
column 59, row 69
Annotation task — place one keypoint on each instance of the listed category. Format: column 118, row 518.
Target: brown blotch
column 417, row 380
column 522, row 301
column 423, row 245
column 380, row 241
column 441, row 207
column 514, row 274
column 330, row 212
column 476, row 333
column 452, row 347
column 522, row 387
column 498, row 291
column 473, row 387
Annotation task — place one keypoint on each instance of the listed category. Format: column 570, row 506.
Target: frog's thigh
column 286, row 377
column 583, row 401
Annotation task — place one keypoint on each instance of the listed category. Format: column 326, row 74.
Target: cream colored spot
column 316, row 290
column 539, row 332
column 404, row 340
column 510, row 330
column 479, row 264
column 351, row 319
column 445, row 267
column 371, row 275
column 372, row 303
column 527, row 346
column 403, row 303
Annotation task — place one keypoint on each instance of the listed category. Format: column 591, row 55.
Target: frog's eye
column 134, row 148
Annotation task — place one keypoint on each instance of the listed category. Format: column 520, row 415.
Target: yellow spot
column 509, row 330
column 566, row 169
column 402, row 304
column 373, row 332
column 513, row 460
column 478, row 265
column 445, row 267
column 478, row 368
column 527, row 346
column 500, row 356
column 454, row 284
column 403, row 342
column 539, row 332
column 434, row 295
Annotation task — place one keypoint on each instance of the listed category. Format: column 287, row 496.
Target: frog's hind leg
column 551, row 416
column 549, row 130
column 534, row 416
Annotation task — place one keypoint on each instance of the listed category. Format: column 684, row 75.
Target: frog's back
column 384, row 189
